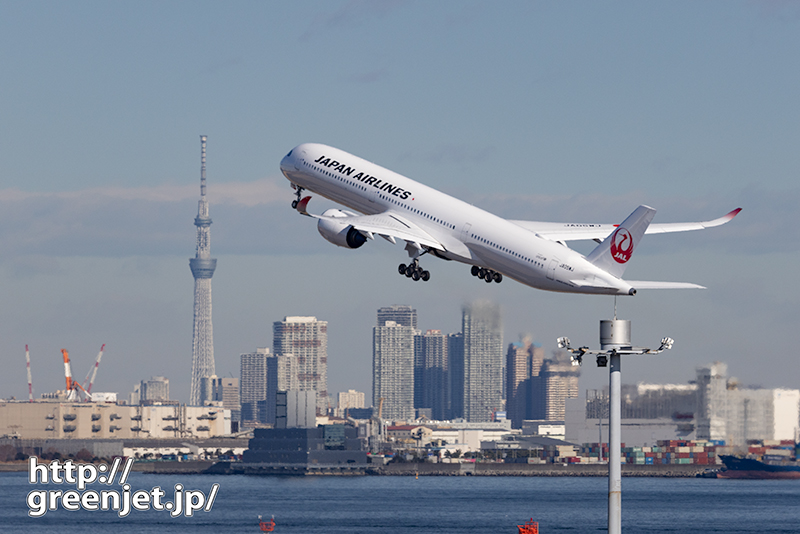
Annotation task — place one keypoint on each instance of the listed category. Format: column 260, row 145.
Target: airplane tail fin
column 613, row 253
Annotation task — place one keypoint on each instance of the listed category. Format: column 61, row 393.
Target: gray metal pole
column 614, row 448
column 614, row 334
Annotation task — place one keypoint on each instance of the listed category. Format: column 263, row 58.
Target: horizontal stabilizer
column 639, row 284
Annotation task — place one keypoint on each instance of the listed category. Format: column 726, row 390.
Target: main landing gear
column 299, row 192
column 414, row 271
column 487, row 274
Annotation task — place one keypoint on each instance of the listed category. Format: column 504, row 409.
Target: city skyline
column 614, row 108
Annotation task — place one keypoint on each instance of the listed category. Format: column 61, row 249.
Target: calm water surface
column 388, row 505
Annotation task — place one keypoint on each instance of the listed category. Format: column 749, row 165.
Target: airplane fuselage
column 468, row 234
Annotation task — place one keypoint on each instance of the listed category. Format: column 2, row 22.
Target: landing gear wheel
column 410, row 271
column 415, row 275
column 402, row 268
column 488, row 278
column 498, row 277
column 298, row 192
column 425, row 275
column 475, row 270
column 481, row 272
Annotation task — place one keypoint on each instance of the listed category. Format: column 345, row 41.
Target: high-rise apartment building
column 401, row 314
column 559, row 379
column 303, row 342
column 155, row 389
column 432, row 373
column 253, row 383
column 712, row 402
column 349, row 399
column 483, row 361
column 393, row 370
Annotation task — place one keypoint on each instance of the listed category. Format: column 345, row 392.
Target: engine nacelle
column 340, row 233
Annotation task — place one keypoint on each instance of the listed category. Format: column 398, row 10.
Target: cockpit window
column 290, row 153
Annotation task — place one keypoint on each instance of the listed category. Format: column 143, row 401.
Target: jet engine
column 340, row 233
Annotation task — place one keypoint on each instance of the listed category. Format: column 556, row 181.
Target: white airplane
column 428, row 221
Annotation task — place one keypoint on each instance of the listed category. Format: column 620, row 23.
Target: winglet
column 302, row 205
column 725, row 218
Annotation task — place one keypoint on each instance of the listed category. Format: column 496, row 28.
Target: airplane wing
column 389, row 225
column 598, row 232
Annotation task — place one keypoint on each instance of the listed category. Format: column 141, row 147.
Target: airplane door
column 465, row 232
column 551, row 269
column 298, row 161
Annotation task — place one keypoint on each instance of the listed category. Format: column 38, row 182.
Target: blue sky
column 569, row 111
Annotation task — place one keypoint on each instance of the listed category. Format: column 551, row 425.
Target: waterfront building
column 93, row 420
column 320, row 447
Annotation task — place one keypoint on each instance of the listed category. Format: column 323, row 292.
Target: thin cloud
column 348, row 15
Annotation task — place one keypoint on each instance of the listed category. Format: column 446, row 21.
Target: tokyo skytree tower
column 202, row 269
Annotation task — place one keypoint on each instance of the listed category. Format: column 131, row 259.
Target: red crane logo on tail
column 621, row 245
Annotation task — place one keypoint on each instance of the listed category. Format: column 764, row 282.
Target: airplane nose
column 287, row 163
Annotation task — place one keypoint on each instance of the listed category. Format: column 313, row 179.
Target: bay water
column 458, row 504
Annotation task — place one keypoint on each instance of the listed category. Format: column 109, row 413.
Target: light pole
column 615, row 340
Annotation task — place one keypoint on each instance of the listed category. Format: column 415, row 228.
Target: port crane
column 73, row 387
column 93, row 371
column 30, row 382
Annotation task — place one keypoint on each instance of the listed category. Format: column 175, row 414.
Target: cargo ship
column 736, row 467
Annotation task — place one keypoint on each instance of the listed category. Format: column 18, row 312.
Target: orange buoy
column 530, row 527
column 266, row 526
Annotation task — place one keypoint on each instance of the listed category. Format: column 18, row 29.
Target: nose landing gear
column 414, row 271
column 299, row 191
column 487, row 274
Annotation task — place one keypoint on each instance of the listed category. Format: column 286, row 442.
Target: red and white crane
column 72, row 385
column 93, row 371
column 30, row 382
